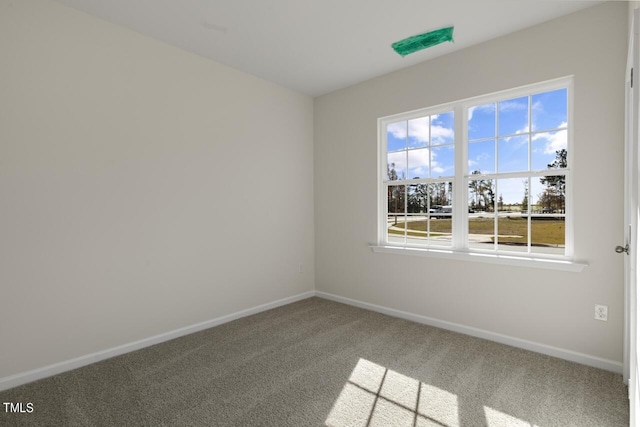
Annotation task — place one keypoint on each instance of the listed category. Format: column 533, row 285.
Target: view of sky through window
column 422, row 147
column 517, row 135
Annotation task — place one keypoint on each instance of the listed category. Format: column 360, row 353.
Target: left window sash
column 417, row 170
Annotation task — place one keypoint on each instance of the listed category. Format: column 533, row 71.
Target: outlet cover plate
column 601, row 312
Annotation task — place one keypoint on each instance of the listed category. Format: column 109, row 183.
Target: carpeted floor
column 317, row 362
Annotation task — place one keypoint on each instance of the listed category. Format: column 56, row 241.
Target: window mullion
column 459, row 224
column 406, row 186
column 384, row 188
column 529, row 228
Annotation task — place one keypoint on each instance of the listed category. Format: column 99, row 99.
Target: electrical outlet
column 602, row 312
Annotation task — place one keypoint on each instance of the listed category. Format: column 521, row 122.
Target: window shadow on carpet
column 377, row 396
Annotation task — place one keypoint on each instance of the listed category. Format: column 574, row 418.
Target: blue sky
column 423, row 147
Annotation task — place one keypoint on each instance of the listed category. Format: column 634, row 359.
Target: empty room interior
column 299, row 213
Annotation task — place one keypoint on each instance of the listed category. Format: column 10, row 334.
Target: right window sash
column 517, row 183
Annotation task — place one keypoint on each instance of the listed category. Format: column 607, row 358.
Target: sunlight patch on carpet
column 376, row 396
column 496, row 418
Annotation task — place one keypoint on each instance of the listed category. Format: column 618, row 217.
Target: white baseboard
column 573, row 356
column 78, row 362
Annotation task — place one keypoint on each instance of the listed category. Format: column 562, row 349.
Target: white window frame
column 459, row 248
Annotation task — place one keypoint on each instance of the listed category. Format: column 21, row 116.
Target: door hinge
column 632, row 77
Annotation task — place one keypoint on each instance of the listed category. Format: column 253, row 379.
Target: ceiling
column 318, row 46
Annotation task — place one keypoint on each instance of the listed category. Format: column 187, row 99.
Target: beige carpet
column 317, row 362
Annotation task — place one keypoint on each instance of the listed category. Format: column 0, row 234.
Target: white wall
column 142, row 188
column 632, row 6
column 546, row 307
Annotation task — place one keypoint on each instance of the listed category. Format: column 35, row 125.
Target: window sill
column 520, row 261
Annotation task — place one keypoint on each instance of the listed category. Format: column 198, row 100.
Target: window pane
column 440, row 213
column 429, row 214
column 418, row 198
column 481, row 231
column 417, row 217
column 395, row 199
column 526, row 200
column 513, row 226
column 442, row 128
column 482, row 156
column 513, row 233
column 513, row 116
column 548, row 194
column 481, row 219
column 442, row 161
column 419, row 132
column 396, row 136
column 549, row 110
column 549, row 148
column 397, row 166
column 418, row 163
column 440, row 228
column 417, row 229
column 513, row 154
column 481, row 195
column 482, row 121
column 441, row 194
column 513, row 195
column 547, row 218
column 547, row 234
column 396, row 218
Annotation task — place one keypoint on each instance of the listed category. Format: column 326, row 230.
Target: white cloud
column 419, row 130
column 419, row 157
column 419, row 163
column 399, row 159
column 486, row 108
column 470, row 113
column 554, row 141
column 474, row 163
column 398, row 129
column 518, row 132
column 441, row 135
column 537, row 106
column 512, row 105
column 420, row 171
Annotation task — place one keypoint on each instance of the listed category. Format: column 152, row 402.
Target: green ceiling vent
column 423, row 41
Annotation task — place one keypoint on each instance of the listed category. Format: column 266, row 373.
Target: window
column 486, row 175
column 419, row 172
